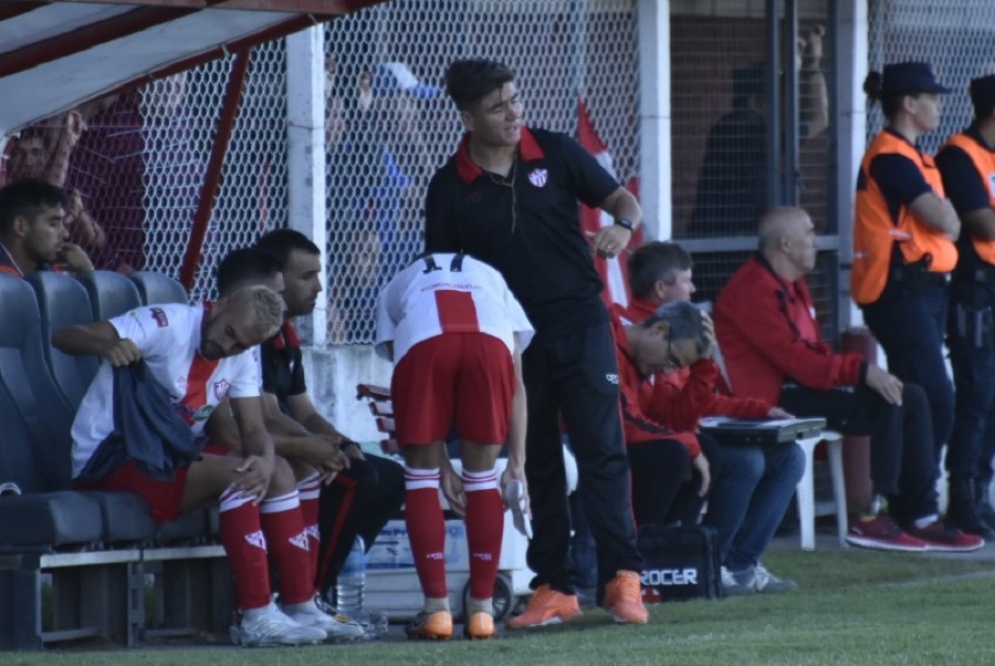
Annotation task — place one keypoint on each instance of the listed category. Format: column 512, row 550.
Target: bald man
column 766, row 327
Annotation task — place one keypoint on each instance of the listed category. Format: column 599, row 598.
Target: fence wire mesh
column 721, row 124
column 383, row 143
column 140, row 161
column 954, row 36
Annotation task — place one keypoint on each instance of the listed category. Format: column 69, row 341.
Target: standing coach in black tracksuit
column 509, row 196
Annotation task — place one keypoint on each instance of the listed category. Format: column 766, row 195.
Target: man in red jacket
column 670, row 476
column 765, row 323
column 752, row 486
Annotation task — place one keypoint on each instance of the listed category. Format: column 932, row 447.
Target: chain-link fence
column 390, row 124
column 954, row 36
column 135, row 163
column 740, row 146
column 139, row 164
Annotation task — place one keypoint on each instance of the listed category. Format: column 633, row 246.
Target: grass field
column 854, row 607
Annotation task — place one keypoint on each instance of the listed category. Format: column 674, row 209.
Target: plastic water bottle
column 351, row 582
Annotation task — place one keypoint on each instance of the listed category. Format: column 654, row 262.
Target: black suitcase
column 680, row 563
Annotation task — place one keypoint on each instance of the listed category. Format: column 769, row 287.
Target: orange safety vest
column 983, row 160
column 875, row 232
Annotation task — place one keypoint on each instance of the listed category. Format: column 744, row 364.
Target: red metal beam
column 9, row 10
column 275, row 31
column 288, row 6
column 212, row 178
column 87, row 37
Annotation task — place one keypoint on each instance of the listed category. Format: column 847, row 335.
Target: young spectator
column 509, row 197
column 33, row 233
column 765, row 324
column 456, row 335
column 200, row 356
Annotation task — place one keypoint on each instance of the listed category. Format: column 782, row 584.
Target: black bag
column 680, row 563
column 764, row 432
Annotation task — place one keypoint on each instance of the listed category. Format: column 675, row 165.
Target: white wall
column 332, row 374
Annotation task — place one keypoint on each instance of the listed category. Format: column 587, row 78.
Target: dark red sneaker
column 882, row 533
column 941, row 537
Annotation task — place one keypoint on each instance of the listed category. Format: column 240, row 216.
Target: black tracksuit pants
column 574, row 375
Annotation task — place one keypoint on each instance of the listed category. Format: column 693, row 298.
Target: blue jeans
column 749, row 496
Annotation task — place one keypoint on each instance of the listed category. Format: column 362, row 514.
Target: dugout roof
column 55, row 55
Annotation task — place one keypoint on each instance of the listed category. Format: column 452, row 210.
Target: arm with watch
column 622, row 206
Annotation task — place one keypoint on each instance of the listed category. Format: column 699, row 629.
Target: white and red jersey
column 169, row 338
column 448, row 293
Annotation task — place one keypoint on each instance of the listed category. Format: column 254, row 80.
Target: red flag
column 612, row 271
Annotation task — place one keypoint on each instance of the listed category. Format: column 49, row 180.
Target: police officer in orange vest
column 967, row 163
column 903, row 238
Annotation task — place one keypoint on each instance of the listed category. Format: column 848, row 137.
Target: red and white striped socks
column 426, row 530
column 484, row 529
column 283, row 524
column 309, row 490
column 245, row 545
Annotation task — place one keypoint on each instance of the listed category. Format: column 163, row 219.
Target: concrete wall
column 332, row 374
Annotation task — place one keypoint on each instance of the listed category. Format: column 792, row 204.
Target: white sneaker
column 336, row 629
column 269, row 626
column 765, row 581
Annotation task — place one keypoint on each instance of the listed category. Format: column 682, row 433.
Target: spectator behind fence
column 108, row 169
column 455, row 334
column 752, row 486
column 509, row 197
column 42, row 151
column 732, row 183
column 378, row 169
column 200, row 355
column 765, row 323
column 967, row 165
column 33, row 233
column 903, row 240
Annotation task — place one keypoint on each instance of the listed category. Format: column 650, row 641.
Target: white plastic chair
column 805, row 492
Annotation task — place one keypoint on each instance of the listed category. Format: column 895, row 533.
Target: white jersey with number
column 169, row 338
column 448, row 293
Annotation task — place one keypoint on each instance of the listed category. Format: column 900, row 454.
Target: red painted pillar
column 212, row 178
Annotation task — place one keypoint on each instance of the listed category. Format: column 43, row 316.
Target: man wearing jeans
column 751, row 485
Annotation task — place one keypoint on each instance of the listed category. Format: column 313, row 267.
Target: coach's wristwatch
column 625, row 223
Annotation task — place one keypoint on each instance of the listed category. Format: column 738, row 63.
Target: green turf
column 854, row 607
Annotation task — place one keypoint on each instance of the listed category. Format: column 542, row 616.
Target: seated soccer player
column 350, row 492
column 200, row 356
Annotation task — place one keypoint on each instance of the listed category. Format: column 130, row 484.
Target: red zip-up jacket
column 637, row 426
column 680, row 399
column 766, row 328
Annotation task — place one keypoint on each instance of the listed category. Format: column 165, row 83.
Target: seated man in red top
column 670, row 475
column 751, row 485
column 33, row 234
column 766, row 325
